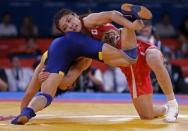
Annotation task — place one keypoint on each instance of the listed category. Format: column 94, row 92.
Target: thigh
column 50, row 85
column 60, row 55
column 153, row 56
column 144, row 106
column 128, row 39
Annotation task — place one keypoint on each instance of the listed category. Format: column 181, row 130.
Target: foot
column 172, row 113
column 20, row 120
column 26, row 114
column 136, row 11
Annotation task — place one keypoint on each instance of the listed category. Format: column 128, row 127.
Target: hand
column 43, row 76
column 137, row 25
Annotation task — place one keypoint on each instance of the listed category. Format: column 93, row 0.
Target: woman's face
column 70, row 23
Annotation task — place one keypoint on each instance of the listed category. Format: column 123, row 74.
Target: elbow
column 114, row 12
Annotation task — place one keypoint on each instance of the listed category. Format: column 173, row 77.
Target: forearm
column 118, row 18
column 96, row 19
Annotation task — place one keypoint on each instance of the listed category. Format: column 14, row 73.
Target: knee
column 48, row 98
column 155, row 60
column 146, row 117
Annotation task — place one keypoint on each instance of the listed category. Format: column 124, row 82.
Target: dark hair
column 60, row 14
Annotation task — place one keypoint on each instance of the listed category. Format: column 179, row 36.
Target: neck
column 84, row 30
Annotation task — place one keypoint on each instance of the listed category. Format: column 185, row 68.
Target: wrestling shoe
column 172, row 112
column 134, row 12
column 26, row 114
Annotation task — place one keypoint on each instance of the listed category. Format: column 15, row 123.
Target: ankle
column 170, row 97
column 29, row 112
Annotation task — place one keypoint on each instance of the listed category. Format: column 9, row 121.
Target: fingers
column 43, row 76
column 139, row 24
column 7, row 117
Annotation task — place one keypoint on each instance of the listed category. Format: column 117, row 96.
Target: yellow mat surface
column 90, row 117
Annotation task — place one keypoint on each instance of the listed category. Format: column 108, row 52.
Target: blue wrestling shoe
column 26, row 114
column 134, row 12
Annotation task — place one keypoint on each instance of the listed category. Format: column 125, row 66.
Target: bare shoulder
column 95, row 19
column 90, row 20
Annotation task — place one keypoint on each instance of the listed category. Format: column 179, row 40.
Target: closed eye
column 68, row 19
column 64, row 28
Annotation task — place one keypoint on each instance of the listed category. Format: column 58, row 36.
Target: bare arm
column 96, row 19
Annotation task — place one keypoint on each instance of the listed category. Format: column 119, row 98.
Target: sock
column 172, row 102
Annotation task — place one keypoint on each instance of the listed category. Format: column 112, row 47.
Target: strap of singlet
column 84, row 29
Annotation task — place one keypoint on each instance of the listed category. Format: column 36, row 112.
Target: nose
column 70, row 26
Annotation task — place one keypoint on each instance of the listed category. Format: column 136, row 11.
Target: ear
column 76, row 15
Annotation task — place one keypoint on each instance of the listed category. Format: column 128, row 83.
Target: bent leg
column 115, row 57
column 40, row 101
column 91, row 48
column 49, row 87
column 155, row 61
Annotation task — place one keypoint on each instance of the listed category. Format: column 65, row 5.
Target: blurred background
column 26, row 30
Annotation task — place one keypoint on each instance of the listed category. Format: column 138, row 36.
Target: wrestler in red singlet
column 138, row 74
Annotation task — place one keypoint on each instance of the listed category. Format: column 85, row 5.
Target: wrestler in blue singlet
column 64, row 50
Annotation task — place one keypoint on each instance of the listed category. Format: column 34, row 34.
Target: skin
column 155, row 61
column 153, row 58
column 75, row 70
column 143, row 104
column 72, row 23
